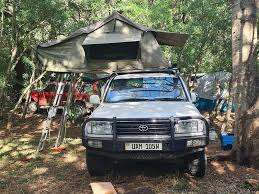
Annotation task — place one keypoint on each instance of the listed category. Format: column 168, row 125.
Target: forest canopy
column 26, row 23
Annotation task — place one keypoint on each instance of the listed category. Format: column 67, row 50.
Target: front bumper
column 171, row 150
column 172, row 147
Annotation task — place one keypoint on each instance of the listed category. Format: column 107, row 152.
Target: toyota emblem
column 143, row 128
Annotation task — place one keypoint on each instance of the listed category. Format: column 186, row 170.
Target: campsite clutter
column 113, row 44
column 213, row 91
column 213, row 97
column 71, row 96
column 41, row 99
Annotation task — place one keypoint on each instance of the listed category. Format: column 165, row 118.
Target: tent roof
column 163, row 38
column 112, row 38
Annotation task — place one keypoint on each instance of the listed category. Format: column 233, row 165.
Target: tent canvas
column 115, row 43
column 207, row 85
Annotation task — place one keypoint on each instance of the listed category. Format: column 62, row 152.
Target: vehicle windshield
column 167, row 88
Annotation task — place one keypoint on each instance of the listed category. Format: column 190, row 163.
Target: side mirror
column 193, row 96
column 94, row 99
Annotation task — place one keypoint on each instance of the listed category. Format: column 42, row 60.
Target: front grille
column 146, row 155
column 155, row 126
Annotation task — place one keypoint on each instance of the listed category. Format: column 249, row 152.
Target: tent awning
column 163, row 38
column 112, row 38
column 170, row 38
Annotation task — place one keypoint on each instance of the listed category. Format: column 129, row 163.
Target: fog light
column 95, row 143
column 195, row 142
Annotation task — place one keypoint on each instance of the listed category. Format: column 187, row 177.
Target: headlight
column 99, row 127
column 190, row 126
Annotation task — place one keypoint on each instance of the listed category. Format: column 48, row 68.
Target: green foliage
column 208, row 23
column 4, row 55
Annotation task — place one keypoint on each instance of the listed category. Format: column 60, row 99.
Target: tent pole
column 62, row 129
column 51, row 113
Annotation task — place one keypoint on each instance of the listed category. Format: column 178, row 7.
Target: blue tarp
column 203, row 104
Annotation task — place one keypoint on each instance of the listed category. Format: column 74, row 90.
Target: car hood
column 153, row 109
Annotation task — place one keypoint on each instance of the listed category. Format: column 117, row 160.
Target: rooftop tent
column 115, row 43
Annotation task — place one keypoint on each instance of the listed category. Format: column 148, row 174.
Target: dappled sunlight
column 17, row 148
column 80, row 165
column 6, row 148
column 48, row 158
column 69, row 158
column 74, row 141
column 26, row 152
column 152, row 109
column 64, row 169
column 24, row 147
column 218, row 167
column 231, row 167
column 251, row 170
column 3, row 162
column 39, row 170
column 25, row 139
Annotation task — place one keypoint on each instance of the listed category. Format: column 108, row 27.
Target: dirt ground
column 22, row 171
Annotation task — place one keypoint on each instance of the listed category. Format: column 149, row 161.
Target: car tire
column 97, row 165
column 197, row 167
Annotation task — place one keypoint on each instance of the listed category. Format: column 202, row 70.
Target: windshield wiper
column 149, row 90
column 170, row 99
column 132, row 100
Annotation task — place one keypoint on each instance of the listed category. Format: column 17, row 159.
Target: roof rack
column 174, row 71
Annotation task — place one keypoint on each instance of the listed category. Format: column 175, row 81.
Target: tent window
column 112, row 51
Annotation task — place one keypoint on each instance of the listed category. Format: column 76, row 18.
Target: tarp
column 94, row 48
column 207, row 85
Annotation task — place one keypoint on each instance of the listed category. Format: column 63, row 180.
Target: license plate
column 143, row 146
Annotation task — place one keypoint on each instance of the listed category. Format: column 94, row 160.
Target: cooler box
column 227, row 141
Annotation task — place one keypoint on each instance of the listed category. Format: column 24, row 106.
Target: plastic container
column 227, row 141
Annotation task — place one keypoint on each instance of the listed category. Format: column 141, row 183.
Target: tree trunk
column 2, row 23
column 244, row 49
column 11, row 114
column 33, row 73
column 14, row 54
column 13, row 57
column 27, row 100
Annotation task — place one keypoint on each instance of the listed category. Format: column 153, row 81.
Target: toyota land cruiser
column 145, row 115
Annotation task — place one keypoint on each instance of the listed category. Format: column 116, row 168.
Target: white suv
column 145, row 115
